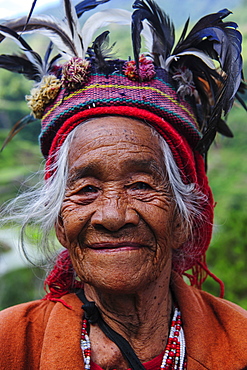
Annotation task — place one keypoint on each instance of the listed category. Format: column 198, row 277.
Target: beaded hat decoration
column 182, row 91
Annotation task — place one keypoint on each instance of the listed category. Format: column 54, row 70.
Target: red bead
column 172, row 350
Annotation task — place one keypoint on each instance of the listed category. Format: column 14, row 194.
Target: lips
column 115, row 246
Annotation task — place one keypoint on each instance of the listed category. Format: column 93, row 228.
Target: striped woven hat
column 157, row 96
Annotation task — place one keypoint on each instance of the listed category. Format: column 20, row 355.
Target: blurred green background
column 227, row 171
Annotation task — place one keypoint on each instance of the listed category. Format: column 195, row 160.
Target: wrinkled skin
column 119, row 224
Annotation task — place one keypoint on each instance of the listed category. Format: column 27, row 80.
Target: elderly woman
column 126, row 190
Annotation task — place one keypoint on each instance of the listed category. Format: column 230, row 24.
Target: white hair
column 40, row 206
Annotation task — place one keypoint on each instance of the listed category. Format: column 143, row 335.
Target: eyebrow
column 144, row 165
column 94, row 169
column 90, row 170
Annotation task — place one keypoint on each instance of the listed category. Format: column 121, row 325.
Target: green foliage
column 21, row 285
column 13, row 88
column 227, row 257
column 19, row 160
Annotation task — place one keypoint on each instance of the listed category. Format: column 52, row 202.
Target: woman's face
column 117, row 218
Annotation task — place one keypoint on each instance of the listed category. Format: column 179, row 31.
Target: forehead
column 114, row 139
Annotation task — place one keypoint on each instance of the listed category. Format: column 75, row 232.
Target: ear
column 60, row 232
column 180, row 231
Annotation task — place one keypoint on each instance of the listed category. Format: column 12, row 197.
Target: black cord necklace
column 93, row 316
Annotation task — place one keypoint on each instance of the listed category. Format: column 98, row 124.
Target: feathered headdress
column 71, row 41
column 206, row 64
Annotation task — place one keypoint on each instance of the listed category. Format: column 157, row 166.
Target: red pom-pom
column 145, row 72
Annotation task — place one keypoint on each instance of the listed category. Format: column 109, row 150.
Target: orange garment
column 46, row 335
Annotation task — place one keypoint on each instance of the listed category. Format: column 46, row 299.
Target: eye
column 88, row 189
column 140, row 185
column 85, row 195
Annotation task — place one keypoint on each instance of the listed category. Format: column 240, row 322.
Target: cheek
column 158, row 216
column 74, row 218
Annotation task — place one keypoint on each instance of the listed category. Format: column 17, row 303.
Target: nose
column 114, row 213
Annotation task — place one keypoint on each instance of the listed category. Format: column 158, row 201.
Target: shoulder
column 28, row 328
column 222, row 315
column 36, row 311
column 214, row 328
column 222, row 325
column 22, row 330
column 203, row 304
column 39, row 309
column 221, row 307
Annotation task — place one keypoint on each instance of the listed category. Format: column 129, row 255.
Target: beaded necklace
column 175, row 352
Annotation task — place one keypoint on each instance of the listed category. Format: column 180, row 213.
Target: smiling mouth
column 115, row 246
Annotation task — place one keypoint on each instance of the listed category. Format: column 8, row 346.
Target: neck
column 142, row 318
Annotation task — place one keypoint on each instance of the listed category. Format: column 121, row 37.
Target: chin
column 121, row 282
column 125, row 272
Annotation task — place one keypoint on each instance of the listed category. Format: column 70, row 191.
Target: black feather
column 212, row 124
column 16, row 25
column 36, row 58
column 216, row 88
column 241, row 101
column 207, row 140
column 33, row 69
column 204, row 23
column 18, row 127
column 48, row 52
column 14, row 63
column 183, row 34
column 15, row 35
column 222, row 42
column 23, row 43
column 137, row 27
column 30, row 13
column 69, row 17
column 39, row 24
column 223, row 128
column 86, row 5
column 48, row 65
column 102, row 51
column 243, row 86
column 162, row 29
